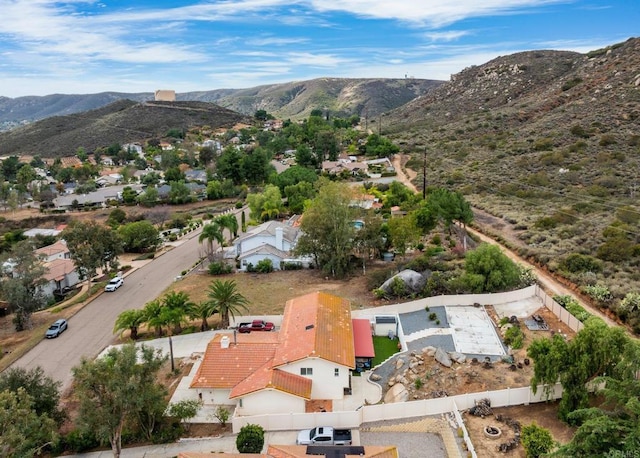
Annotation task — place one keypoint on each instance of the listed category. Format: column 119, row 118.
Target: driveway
column 91, row 329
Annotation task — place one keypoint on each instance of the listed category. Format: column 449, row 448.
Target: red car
column 256, row 325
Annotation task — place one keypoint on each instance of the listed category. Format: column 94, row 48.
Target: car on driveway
column 115, row 283
column 56, row 328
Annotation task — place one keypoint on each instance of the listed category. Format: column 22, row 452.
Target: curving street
column 91, row 329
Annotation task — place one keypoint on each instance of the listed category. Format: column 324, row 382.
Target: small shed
column 363, row 344
column 386, row 325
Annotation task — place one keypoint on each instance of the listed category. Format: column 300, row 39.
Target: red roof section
column 226, row 367
column 267, row 377
column 362, row 338
column 316, row 325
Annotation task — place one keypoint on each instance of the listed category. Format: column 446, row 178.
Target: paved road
column 91, row 329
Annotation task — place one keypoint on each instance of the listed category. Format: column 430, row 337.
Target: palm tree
column 176, row 306
column 270, row 210
column 229, row 221
column 212, row 232
column 131, row 320
column 226, row 299
column 203, row 311
column 153, row 316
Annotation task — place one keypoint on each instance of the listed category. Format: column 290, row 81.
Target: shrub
column 78, row 441
column 433, row 316
column 599, row 292
column 576, row 262
column 418, row 383
column 514, row 337
column 219, row 268
column 537, row 441
column 571, row 83
column 250, row 439
column 580, row 131
column 222, row 414
column 264, row 266
column 291, row 266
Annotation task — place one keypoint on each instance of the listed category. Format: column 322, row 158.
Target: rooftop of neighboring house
column 269, row 228
column 58, row 269
column 50, row 250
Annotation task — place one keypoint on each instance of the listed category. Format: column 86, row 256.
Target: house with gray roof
column 272, row 240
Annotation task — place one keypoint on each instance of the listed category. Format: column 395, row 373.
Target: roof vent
column 309, row 326
column 224, row 342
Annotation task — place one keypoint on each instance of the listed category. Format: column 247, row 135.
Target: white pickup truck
column 324, row 435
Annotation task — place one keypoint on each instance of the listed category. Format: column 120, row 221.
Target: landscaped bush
column 514, row 337
column 572, row 307
column 219, row 268
column 264, row 266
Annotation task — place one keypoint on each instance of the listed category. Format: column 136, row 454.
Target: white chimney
column 279, row 239
column 224, row 342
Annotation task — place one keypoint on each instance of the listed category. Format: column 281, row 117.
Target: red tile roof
column 317, row 325
column 267, row 377
column 362, row 338
column 226, row 367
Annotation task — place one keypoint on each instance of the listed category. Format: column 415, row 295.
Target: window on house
column 306, row 371
column 336, row 372
column 240, row 402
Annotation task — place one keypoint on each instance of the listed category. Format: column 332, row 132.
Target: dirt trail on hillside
column 547, row 281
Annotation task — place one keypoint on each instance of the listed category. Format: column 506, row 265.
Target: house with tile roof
column 61, row 273
column 304, row 365
column 271, row 240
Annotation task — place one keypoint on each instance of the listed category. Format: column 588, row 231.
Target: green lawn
column 384, row 348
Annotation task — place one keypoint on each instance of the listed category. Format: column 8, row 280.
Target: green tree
column 250, row 439
column 327, row 229
column 129, row 195
column 404, row 232
column 176, row 306
column 174, row 174
column 184, row 410
column 116, row 217
column 149, row 198
column 42, row 389
column 179, row 193
column 595, row 350
column 22, row 289
column 116, row 389
column 294, row 175
column 490, row 270
column 203, row 311
column 25, row 433
column 206, row 155
column 298, row 194
column 153, row 316
column 267, row 204
column 225, row 298
column 229, row 222
column 92, row 246
column 139, row 237
column 212, row 232
column 131, row 320
column 536, row 440
column 229, row 165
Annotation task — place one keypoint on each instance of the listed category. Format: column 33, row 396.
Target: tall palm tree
column 224, row 296
column 153, row 316
column 176, row 306
column 131, row 320
column 230, row 222
column 270, row 210
column 203, row 311
column 212, row 232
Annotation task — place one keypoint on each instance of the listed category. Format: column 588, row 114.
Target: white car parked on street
column 115, row 283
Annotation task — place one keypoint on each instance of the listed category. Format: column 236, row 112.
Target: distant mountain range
column 293, row 100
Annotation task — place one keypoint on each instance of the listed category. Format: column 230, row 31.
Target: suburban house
column 271, row 240
column 339, row 166
column 303, row 367
column 61, row 273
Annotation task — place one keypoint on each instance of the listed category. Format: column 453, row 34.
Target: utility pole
column 424, row 174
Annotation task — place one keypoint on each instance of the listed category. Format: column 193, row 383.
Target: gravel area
column 419, row 320
column 410, row 445
column 411, row 442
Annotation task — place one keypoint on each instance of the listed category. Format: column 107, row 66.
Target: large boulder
column 443, row 358
column 397, row 393
column 413, row 282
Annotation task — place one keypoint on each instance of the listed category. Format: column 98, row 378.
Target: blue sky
column 86, row 46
